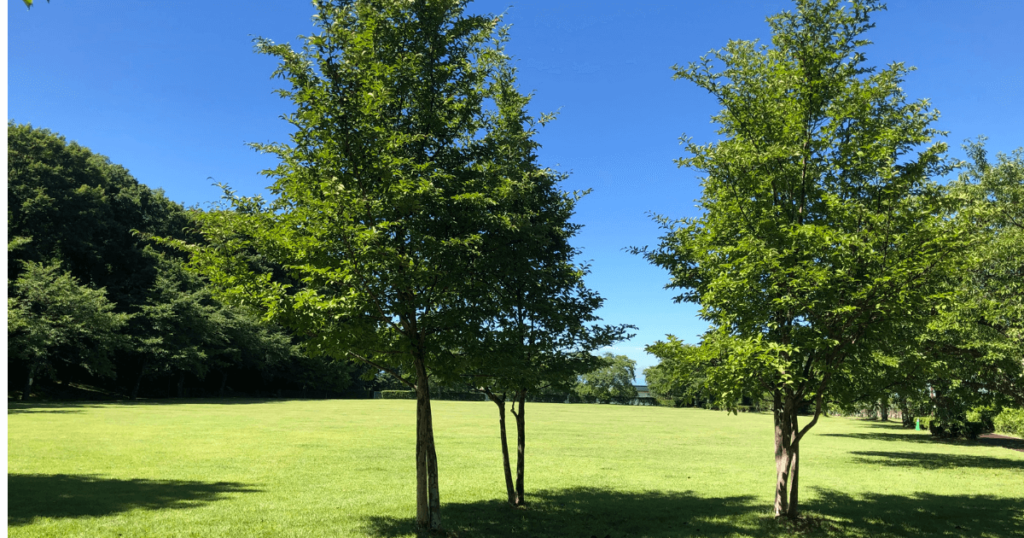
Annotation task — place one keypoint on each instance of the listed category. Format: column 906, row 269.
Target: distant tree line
column 92, row 301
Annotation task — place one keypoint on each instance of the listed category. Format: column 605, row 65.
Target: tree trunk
column 223, row 383
column 509, row 487
column 905, row 414
column 181, row 385
column 138, row 381
column 782, row 455
column 883, row 408
column 428, row 497
column 28, row 385
column 520, row 449
column 794, row 468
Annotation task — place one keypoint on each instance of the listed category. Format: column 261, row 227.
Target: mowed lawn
column 239, row 468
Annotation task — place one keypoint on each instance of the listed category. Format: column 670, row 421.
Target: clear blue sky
column 172, row 90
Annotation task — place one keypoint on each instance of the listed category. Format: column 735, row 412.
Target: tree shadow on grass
column 14, row 408
column 1004, row 442
column 32, row 496
column 926, row 460
column 902, row 435
column 586, row 512
column 48, row 411
column 922, row 514
column 593, row 512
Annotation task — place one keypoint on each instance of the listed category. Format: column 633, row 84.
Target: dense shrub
column 1010, row 422
column 983, row 414
column 398, row 394
column 956, row 429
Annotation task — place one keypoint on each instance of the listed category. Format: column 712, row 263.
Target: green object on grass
column 917, row 427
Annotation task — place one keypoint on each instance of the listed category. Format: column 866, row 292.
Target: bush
column 985, row 415
column 958, row 429
column 398, row 394
column 1010, row 422
column 462, row 396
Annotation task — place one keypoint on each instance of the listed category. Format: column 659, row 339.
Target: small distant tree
column 823, row 243
column 674, row 376
column 53, row 318
column 612, row 381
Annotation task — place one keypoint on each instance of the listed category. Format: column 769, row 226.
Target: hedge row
column 1010, row 422
column 411, row 395
column 540, row 398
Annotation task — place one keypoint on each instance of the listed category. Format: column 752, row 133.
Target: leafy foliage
column 52, row 318
column 612, row 382
column 74, row 209
column 823, row 240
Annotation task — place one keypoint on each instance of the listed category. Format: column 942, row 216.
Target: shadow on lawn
column 592, row 512
column 32, row 496
column 905, row 436
column 936, row 461
column 586, row 512
column 14, row 408
column 921, row 514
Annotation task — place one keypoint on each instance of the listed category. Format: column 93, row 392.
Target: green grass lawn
column 243, row 468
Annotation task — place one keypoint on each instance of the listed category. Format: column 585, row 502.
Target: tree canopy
column 823, row 240
column 385, row 200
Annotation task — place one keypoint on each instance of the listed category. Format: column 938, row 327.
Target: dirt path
column 1005, row 441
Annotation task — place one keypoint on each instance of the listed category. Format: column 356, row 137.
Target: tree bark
column 794, row 468
column 509, row 486
column 138, row 381
column 223, row 383
column 905, row 414
column 181, row 384
column 520, row 449
column 883, row 409
column 782, row 456
column 428, row 498
column 28, row 385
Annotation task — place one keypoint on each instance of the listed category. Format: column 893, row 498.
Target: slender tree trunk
column 223, row 383
column 782, row 455
column 794, row 468
column 28, row 384
column 428, row 497
column 138, row 381
column 520, row 449
column 509, row 486
column 181, row 385
column 883, row 408
column 905, row 414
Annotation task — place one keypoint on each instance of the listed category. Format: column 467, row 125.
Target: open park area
column 346, row 468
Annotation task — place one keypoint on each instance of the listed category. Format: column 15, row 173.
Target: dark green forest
column 94, row 301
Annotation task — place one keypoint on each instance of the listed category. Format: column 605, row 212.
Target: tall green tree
column 382, row 200
column 53, row 318
column 976, row 342
column 541, row 328
column 823, row 240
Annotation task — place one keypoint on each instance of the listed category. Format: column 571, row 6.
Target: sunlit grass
column 345, row 468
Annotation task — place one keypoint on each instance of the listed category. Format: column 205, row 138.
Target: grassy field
column 239, row 468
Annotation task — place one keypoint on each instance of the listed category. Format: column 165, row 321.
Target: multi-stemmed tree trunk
column 516, row 490
column 510, row 487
